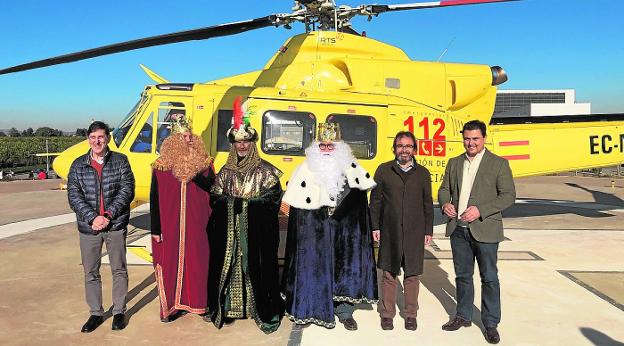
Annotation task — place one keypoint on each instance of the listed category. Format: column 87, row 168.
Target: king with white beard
column 329, row 251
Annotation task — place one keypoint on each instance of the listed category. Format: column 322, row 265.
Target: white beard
column 329, row 168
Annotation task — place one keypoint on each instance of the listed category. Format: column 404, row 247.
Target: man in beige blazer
column 477, row 186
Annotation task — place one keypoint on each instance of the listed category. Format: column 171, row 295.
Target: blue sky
column 542, row 44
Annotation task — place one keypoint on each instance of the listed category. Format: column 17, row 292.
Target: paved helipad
column 561, row 272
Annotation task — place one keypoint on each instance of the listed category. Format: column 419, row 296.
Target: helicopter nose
column 62, row 162
column 499, row 76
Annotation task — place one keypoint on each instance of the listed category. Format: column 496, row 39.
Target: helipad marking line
column 17, row 228
column 570, row 275
column 26, row 226
column 581, row 205
column 140, row 252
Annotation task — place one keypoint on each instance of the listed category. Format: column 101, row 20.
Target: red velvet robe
column 180, row 214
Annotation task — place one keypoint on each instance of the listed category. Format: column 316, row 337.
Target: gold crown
column 179, row 123
column 328, row 132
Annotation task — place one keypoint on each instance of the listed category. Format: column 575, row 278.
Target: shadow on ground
column 599, row 338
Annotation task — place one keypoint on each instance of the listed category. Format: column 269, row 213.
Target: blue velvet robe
column 329, row 258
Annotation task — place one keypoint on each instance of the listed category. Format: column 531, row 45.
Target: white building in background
column 524, row 103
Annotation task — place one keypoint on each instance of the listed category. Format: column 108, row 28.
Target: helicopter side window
column 165, row 111
column 359, row 131
column 143, row 141
column 287, row 133
column 224, row 122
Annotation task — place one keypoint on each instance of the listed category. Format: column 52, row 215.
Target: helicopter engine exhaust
column 499, row 76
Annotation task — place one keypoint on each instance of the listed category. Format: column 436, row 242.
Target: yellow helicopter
column 333, row 73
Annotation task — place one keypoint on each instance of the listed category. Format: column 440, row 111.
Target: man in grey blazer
column 477, row 186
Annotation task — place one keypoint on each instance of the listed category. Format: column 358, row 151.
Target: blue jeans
column 465, row 250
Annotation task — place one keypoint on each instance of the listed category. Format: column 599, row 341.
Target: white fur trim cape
column 304, row 192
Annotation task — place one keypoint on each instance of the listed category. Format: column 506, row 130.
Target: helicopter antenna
column 446, row 49
column 335, row 16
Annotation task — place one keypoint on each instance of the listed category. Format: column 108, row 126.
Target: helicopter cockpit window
column 143, row 141
column 359, row 131
column 165, row 111
column 121, row 131
column 287, row 133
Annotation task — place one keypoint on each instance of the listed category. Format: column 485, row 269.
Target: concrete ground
column 561, row 272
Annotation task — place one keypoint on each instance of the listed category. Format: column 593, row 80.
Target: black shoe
column 349, row 323
column 491, row 335
column 92, row 323
column 207, row 317
column 119, row 322
column 456, row 323
column 174, row 316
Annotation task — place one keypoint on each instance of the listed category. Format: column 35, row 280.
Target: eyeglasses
column 329, row 146
column 406, row 146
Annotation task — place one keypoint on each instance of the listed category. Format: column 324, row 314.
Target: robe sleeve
column 217, row 197
column 355, row 200
column 204, row 180
column 154, row 207
column 218, row 200
column 272, row 196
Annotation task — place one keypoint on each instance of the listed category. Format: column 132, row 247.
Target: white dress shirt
column 470, row 172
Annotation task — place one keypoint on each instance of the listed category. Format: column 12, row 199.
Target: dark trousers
column 465, row 250
column 91, row 253
column 387, row 303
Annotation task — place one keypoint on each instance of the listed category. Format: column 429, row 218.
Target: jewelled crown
column 328, row 132
column 179, row 123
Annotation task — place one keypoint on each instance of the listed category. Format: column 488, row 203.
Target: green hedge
column 19, row 151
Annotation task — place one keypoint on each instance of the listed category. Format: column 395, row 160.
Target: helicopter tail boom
column 529, row 143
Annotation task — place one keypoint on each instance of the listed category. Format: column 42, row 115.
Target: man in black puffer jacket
column 100, row 188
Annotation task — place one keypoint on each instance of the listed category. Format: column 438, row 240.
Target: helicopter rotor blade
column 181, row 36
column 377, row 9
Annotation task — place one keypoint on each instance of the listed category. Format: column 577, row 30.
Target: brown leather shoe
column 386, row 323
column 410, row 323
column 491, row 335
column 456, row 323
column 349, row 323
